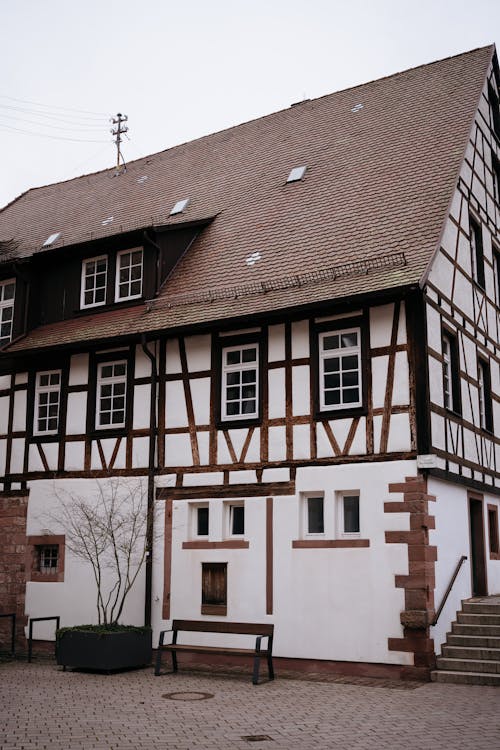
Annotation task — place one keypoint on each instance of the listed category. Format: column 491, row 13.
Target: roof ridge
column 248, row 122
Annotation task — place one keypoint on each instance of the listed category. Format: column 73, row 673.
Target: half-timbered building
column 290, row 331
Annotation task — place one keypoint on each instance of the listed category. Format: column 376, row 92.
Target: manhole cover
column 188, row 696
column 257, row 738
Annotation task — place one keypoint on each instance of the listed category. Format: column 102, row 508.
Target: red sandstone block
column 425, row 660
column 395, row 507
column 405, row 487
column 406, row 537
column 416, row 599
column 423, row 674
column 422, row 521
column 415, row 581
column 419, row 553
column 422, row 567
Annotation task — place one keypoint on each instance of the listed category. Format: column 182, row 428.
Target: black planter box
column 84, row 649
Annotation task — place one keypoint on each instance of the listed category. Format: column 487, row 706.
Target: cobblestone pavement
column 43, row 707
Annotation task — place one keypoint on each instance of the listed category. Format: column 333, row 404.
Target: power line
column 53, row 106
column 53, row 137
column 56, row 118
column 52, row 127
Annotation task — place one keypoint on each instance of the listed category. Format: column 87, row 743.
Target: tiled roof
column 378, row 182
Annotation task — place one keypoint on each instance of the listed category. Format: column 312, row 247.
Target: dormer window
column 128, row 275
column 7, row 291
column 94, row 281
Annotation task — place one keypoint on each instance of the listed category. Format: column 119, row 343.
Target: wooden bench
column 200, row 626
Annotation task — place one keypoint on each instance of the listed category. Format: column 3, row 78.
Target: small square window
column 47, row 558
column 235, row 519
column 348, row 514
column 312, row 520
column 200, row 519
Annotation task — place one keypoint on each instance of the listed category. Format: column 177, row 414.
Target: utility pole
column 118, row 132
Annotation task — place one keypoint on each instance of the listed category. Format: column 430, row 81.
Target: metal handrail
column 450, row 586
column 30, row 636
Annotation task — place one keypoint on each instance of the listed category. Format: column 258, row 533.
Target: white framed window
column 348, row 519
column 47, row 402
column 313, row 514
column 128, row 274
column 94, row 281
column 7, row 295
column 240, row 382
column 447, row 373
column 199, row 520
column 340, row 369
column 111, row 394
column 235, row 519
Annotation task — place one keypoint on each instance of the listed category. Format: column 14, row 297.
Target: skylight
column 356, row 108
column 107, row 221
column 179, row 207
column 50, row 240
column 253, row 258
column 142, row 179
column 296, row 174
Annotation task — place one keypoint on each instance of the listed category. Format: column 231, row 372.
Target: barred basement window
column 48, row 558
column 47, row 402
column 94, row 281
column 7, row 292
column 111, row 394
column 214, row 588
column 128, row 275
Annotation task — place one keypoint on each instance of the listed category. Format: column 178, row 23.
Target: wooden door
column 477, row 552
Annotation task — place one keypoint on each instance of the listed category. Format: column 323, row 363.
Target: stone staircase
column 471, row 655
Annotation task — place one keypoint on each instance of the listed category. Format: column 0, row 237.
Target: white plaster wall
column 300, row 339
column 338, row 604
column 198, row 350
column 451, row 536
column 79, row 369
column 276, row 343
column 74, row 598
column 200, row 395
column 76, row 416
column 4, row 414
column 19, row 422
column 277, row 404
column 141, row 404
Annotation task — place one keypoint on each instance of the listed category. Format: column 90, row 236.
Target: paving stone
column 43, row 707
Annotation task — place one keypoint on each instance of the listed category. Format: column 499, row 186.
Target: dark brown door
column 477, row 556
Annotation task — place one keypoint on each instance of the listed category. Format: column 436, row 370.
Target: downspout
column 151, row 483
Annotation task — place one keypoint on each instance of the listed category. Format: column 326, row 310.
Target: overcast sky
column 180, row 70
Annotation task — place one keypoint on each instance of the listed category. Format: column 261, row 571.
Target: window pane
column 202, row 522
column 351, row 514
column 349, row 339
column 332, row 364
column 249, row 355
column 237, row 519
column 331, row 342
column 234, row 357
column 315, row 520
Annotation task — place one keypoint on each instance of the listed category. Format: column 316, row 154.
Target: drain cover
column 188, row 696
column 257, row 738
